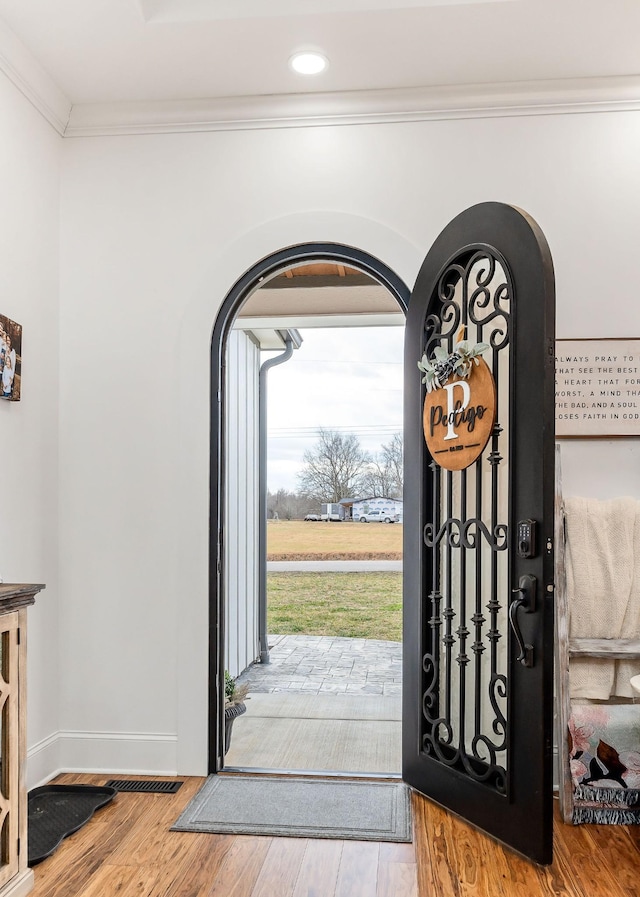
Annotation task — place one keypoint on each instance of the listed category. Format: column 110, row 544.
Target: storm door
column 478, row 527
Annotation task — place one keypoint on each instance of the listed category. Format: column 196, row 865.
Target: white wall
column 241, row 505
column 155, row 230
column 29, row 232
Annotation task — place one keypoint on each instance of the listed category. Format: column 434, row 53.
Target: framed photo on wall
column 10, row 359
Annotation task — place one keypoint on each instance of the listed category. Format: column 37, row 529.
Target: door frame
column 244, row 286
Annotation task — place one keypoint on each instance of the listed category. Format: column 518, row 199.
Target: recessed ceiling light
column 308, row 63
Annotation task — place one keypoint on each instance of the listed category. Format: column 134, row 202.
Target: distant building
column 355, row 508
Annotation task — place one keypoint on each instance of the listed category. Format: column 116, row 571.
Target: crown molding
column 357, row 107
column 568, row 96
column 22, row 69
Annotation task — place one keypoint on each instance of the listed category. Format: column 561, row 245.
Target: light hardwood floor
column 127, row 850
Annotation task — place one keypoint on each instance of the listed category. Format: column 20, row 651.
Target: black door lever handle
column 527, row 601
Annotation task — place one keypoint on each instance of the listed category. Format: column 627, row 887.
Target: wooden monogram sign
column 459, row 417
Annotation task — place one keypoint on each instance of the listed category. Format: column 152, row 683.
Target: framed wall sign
column 597, row 388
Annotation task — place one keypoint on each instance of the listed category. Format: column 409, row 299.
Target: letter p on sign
column 454, row 412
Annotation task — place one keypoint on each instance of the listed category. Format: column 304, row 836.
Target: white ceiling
column 109, row 51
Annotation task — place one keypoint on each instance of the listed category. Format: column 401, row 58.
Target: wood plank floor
column 127, row 850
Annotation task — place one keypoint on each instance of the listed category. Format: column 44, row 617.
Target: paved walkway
column 307, row 664
column 333, row 566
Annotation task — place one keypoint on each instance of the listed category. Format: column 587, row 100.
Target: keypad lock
column 526, row 538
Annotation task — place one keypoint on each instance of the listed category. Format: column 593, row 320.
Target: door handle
column 527, row 601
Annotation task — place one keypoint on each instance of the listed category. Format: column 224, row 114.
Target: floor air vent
column 144, row 785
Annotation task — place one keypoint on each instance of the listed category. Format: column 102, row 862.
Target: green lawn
column 355, row 605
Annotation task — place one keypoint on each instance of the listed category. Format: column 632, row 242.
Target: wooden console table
column 16, row 879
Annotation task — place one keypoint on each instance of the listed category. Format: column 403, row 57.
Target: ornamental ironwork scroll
column 464, row 693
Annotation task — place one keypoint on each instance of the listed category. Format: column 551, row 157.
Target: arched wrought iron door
column 478, row 553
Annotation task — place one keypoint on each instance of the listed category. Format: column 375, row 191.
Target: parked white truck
column 384, row 510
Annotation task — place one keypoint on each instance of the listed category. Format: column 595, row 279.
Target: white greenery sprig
column 443, row 365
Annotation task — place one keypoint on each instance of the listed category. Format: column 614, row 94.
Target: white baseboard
column 43, row 761
column 130, row 753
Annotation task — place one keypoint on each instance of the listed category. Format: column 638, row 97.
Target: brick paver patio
column 307, row 664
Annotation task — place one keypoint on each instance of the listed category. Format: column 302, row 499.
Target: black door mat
column 144, row 785
column 55, row 811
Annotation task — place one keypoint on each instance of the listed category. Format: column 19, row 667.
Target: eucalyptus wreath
column 443, row 365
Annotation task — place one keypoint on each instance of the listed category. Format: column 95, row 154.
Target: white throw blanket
column 603, row 589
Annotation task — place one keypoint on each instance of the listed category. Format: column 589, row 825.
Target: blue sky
column 346, row 379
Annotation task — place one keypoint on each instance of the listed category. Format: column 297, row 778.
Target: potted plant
column 234, row 706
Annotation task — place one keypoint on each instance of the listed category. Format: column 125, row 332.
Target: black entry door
column 478, row 542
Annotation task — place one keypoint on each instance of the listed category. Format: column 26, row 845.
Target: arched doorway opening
column 252, row 280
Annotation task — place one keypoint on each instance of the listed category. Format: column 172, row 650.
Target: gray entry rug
column 300, row 807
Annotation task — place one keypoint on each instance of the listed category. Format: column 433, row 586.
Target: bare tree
column 335, row 468
column 384, row 474
column 290, row 505
column 378, row 483
column 393, row 457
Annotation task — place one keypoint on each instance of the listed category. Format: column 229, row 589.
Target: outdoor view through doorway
column 327, row 696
